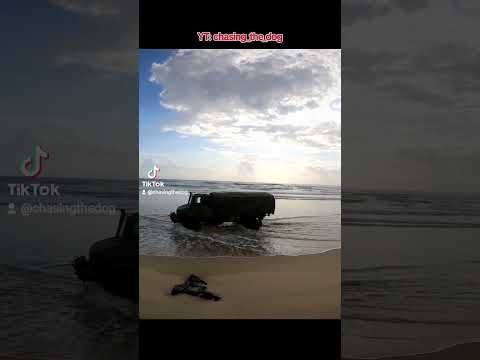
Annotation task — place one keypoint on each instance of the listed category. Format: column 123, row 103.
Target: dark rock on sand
column 195, row 286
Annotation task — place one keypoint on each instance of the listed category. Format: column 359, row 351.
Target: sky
column 410, row 114
column 241, row 115
column 70, row 85
column 410, row 120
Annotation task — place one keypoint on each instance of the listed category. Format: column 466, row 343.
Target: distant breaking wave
column 280, row 191
column 414, row 209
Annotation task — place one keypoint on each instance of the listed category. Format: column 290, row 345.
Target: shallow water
column 48, row 314
column 46, row 311
column 410, row 266
column 306, row 221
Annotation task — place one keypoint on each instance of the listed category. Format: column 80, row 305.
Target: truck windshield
column 195, row 200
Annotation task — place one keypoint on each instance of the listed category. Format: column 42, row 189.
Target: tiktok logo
column 152, row 174
column 33, row 165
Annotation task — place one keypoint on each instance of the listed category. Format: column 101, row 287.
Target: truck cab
column 196, row 199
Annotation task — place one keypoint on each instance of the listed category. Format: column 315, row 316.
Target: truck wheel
column 196, row 226
column 256, row 224
column 173, row 217
column 215, row 222
column 252, row 223
column 192, row 225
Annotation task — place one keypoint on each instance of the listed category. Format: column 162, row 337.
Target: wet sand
column 460, row 352
column 306, row 286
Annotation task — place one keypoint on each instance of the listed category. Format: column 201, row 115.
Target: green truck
column 113, row 262
column 246, row 208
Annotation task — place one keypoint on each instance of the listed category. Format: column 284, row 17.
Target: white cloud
column 109, row 61
column 172, row 168
column 113, row 24
column 412, row 98
column 89, row 7
column 261, row 102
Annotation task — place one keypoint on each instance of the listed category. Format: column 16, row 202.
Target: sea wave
column 280, row 191
column 411, row 209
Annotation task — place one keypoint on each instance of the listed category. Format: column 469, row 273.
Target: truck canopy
column 241, row 202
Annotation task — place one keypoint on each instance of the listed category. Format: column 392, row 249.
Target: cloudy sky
column 70, row 85
column 410, row 77
column 244, row 115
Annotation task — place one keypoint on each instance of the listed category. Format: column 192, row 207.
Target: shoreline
column 236, row 256
column 464, row 351
column 303, row 286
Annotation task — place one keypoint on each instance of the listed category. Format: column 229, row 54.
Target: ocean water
column 410, row 265
column 46, row 311
column 306, row 221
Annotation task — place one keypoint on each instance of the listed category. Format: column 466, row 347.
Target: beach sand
column 460, row 352
column 306, row 286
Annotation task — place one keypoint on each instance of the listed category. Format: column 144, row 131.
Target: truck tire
column 257, row 224
column 173, row 217
column 192, row 225
column 214, row 221
column 251, row 223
